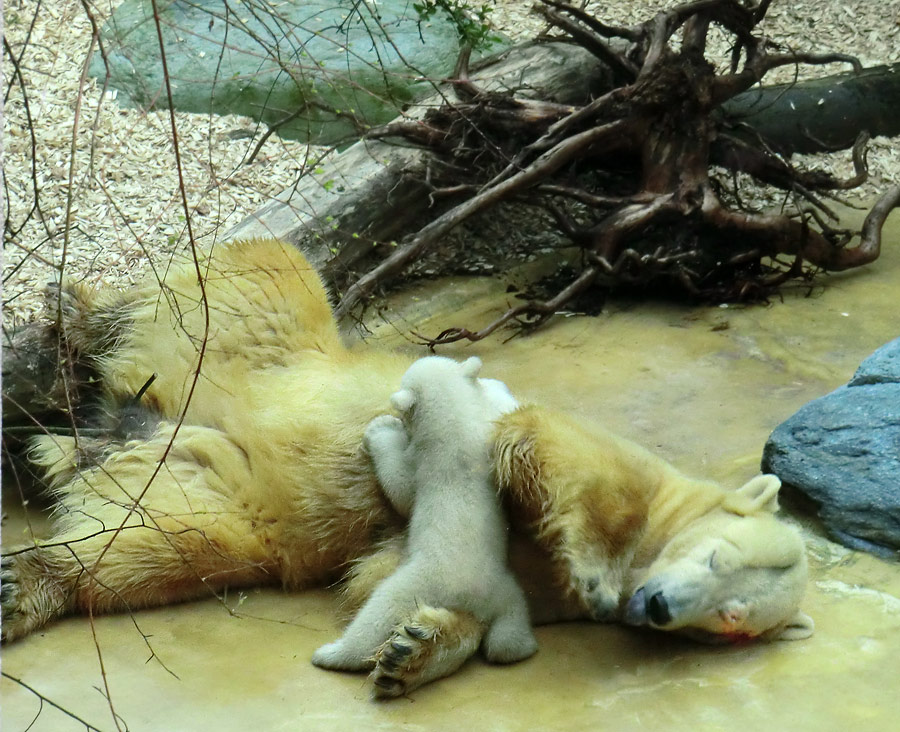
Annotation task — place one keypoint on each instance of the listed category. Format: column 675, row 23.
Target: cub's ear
column 758, row 495
column 798, row 627
column 471, row 367
column 403, row 400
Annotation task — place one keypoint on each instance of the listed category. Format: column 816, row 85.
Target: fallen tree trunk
column 822, row 115
column 375, row 190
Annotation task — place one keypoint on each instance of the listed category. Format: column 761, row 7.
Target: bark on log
column 823, row 115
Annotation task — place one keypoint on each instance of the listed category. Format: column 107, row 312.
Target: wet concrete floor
column 703, row 386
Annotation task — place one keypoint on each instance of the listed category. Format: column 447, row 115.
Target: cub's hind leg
column 509, row 637
column 390, row 602
column 132, row 533
column 427, row 644
column 433, row 642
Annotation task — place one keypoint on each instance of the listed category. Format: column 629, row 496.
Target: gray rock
column 843, row 451
column 317, row 62
column 882, row 367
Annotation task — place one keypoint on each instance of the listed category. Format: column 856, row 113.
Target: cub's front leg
column 387, row 442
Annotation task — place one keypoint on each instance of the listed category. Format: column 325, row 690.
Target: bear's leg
column 386, row 441
column 391, row 601
column 510, row 638
column 131, row 536
column 589, row 512
column 367, row 572
column 140, row 567
column 432, row 643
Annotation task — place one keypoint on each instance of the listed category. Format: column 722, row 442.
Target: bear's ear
column 403, row 400
column 758, row 495
column 798, row 627
column 471, row 367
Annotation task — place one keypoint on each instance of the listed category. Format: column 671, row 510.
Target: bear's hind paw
column 28, row 598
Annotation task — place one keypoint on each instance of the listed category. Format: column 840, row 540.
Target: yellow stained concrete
column 703, row 386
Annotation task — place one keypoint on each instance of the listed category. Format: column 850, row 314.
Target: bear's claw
column 432, row 644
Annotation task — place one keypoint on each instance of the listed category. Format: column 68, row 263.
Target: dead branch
column 663, row 219
column 545, row 165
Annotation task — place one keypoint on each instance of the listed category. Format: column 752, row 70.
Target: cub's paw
column 385, row 430
column 433, row 643
column 337, row 657
column 509, row 640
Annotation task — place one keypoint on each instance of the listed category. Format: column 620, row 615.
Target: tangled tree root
column 643, row 178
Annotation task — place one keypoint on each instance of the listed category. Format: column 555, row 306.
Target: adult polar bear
column 252, row 472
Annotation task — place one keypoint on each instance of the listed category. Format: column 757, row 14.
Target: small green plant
column 472, row 22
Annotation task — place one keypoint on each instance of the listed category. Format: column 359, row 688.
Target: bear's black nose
column 658, row 609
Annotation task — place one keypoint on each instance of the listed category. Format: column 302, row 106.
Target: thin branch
column 46, row 700
column 546, row 164
column 608, row 31
column 543, row 309
column 591, row 41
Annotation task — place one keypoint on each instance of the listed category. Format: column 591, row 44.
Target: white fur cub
column 435, row 466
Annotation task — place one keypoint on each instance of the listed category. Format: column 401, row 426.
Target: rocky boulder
column 843, row 452
column 308, row 68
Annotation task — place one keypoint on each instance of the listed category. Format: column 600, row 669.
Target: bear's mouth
column 654, row 611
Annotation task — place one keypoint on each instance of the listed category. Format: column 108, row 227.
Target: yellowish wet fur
column 256, row 474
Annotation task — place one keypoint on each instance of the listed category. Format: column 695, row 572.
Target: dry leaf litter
column 109, row 198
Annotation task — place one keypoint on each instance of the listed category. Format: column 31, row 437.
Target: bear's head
column 734, row 574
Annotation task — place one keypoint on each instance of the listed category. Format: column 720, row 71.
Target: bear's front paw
column 431, row 644
column 399, row 662
column 29, row 596
column 600, row 598
column 9, row 598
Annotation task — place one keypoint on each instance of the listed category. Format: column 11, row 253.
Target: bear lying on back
column 255, row 475
column 435, row 466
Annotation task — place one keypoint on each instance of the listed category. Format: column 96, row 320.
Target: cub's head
column 438, row 378
column 735, row 574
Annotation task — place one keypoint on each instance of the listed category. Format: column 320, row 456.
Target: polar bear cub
column 434, row 465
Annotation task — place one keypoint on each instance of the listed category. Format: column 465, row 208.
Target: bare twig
column 542, row 309
column 46, row 700
column 546, row 164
